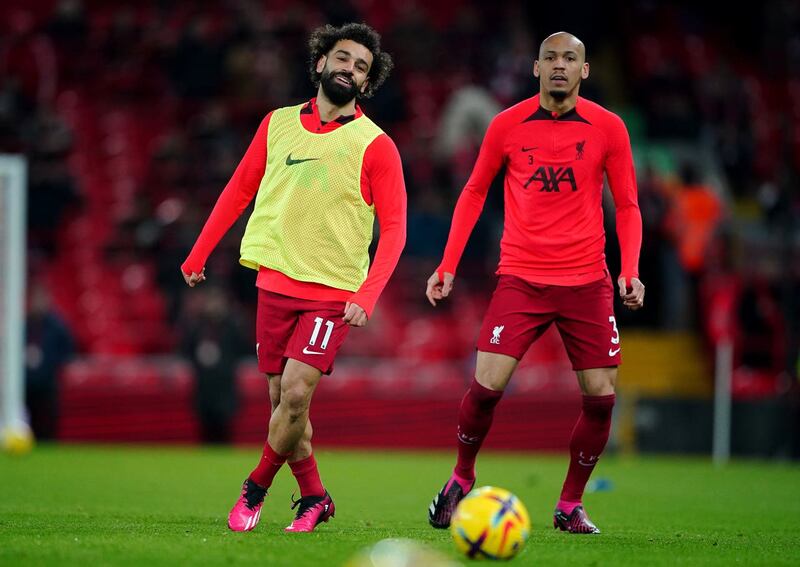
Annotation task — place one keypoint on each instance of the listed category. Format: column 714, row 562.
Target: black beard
column 338, row 94
column 559, row 95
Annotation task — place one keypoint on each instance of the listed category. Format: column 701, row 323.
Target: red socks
column 474, row 421
column 588, row 440
column 305, row 471
column 268, row 467
column 307, row 476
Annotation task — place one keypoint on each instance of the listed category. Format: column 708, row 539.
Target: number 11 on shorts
column 315, row 333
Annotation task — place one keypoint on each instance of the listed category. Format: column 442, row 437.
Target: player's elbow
column 627, row 208
column 396, row 233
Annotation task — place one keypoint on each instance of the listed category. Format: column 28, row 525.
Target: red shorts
column 303, row 329
column 520, row 312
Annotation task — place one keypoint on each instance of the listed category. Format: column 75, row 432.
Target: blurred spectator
column 694, row 215
column 214, row 343
column 464, row 120
column 49, row 346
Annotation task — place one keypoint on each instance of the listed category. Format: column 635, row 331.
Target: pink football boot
column 576, row 522
column 311, row 511
column 247, row 511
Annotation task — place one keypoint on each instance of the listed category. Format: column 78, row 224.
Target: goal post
column 14, row 429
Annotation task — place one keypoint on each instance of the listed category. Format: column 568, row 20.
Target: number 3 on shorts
column 329, row 324
column 614, row 338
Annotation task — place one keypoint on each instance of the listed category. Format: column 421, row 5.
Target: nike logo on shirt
column 290, row 161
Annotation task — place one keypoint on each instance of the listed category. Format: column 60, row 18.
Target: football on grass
column 490, row 523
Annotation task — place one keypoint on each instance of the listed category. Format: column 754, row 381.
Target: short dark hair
column 325, row 37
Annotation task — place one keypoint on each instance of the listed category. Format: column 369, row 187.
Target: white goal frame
column 13, row 221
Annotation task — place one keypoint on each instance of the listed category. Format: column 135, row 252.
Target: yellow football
column 16, row 440
column 490, row 523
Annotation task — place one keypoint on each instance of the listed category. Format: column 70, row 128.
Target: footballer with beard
column 320, row 172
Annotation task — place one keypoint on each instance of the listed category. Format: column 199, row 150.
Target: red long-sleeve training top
column 553, row 232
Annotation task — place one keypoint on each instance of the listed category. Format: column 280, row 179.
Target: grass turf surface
column 78, row 505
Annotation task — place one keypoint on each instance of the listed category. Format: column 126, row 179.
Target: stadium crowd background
column 133, row 116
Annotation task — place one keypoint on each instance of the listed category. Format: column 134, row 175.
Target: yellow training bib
column 310, row 221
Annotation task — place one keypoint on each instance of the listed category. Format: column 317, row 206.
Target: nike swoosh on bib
column 290, row 161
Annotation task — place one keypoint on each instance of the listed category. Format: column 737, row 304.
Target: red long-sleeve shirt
column 381, row 183
column 553, row 232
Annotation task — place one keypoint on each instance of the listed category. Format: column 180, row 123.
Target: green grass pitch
column 78, row 505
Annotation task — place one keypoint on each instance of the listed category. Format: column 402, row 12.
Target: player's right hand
column 632, row 295
column 439, row 289
column 193, row 279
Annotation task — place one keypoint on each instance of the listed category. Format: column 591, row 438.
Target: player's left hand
column 633, row 295
column 354, row 315
column 193, row 279
column 439, row 289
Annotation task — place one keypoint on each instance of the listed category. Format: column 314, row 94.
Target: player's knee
column 600, row 389
column 493, row 371
column 493, row 378
column 295, row 400
column 599, row 381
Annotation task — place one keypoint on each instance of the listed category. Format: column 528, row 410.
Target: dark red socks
column 474, row 421
column 588, row 440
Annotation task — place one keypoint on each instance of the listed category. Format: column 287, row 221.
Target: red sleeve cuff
column 365, row 301
column 442, row 269
column 192, row 266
